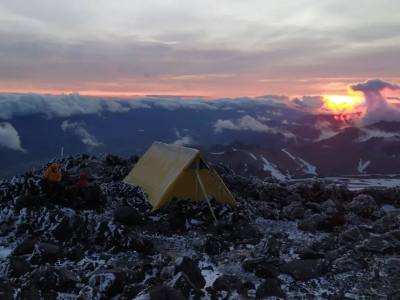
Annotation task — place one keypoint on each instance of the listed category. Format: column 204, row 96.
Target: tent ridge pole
column 204, row 192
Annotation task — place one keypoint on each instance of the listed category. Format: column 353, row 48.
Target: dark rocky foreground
column 306, row 241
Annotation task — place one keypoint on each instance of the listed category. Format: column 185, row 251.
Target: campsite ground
column 304, row 240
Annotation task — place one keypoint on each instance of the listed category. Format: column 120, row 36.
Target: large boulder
column 348, row 262
column 17, row 266
column 215, row 246
column 328, row 207
column 191, row 269
column 138, row 243
column 394, row 238
column 108, row 282
column 262, row 267
column 315, row 223
column 305, row 269
column 391, row 269
column 352, row 235
column 270, row 288
column 54, row 278
column 128, row 216
column 363, row 205
column 293, row 211
column 391, row 221
column 376, row 244
column 184, row 284
column 6, row 290
column 62, row 231
column 25, row 247
column 45, row 252
column 164, row 292
column 227, row 283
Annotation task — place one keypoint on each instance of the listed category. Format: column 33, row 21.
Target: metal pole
column 205, row 193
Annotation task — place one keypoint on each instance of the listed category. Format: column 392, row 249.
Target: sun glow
column 343, row 103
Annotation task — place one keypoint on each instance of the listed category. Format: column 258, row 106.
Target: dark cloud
column 374, row 86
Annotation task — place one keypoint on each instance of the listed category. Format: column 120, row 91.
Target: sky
column 224, row 48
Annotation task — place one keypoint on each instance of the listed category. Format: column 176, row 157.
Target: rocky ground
column 302, row 241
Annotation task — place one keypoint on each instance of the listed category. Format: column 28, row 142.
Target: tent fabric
column 167, row 171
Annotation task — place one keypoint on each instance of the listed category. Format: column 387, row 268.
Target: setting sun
column 342, row 103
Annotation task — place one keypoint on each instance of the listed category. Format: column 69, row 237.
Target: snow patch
column 362, row 166
column 218, row 153
column 252, row 155
column 306, row 166
column 272, row 169
column 5, row 252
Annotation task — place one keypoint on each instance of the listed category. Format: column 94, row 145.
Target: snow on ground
column 5, row 252
column 356, row 183
column 272, row 169
column 209, row 271
column 362, row 166
column 217, row 153
column 66, row 296
column 306, row 166
column 252, row 156
column 389, row 208
column 288, row 154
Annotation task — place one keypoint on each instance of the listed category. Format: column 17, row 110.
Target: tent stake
column 205, row 195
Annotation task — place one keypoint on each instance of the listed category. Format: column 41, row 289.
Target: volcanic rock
column 165, row 293
column 108, row 282
column 17, row 266
column 305, row 269
column 6, row 290
column 270, row 288
column 315, row 223
column 46, row 252
column 293, row 211
column 191, row 270
column 227, row 283
column 128, row 216
column 376, row 244
column 54, row 278
column 363, row 205
column 25, row 247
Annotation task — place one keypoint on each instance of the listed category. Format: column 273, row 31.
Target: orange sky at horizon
column 192, row 89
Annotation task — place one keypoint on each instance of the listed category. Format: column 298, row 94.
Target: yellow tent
column 167, row 171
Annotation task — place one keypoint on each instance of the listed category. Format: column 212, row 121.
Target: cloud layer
column 9, row 137
column 249, row 123
column 64, row 106
column 182, row 140
column 78, row 128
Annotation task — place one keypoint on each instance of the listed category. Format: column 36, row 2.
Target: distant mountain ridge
column 261, row 138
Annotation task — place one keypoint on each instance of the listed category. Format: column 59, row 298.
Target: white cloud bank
column 64, row 106
column 9, row 137
column 80, row 131
column 249, row 123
